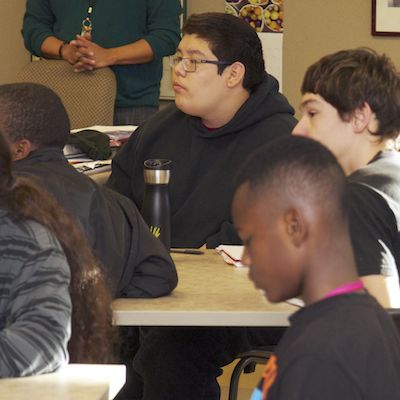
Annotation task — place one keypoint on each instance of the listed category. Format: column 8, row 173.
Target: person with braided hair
column 52, row 290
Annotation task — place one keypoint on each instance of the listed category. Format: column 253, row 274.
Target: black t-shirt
column 374, row 194
column 344, row 347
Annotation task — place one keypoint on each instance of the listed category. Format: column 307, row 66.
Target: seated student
column 291, row 210
column 351, row 104
column 226, row 106
column 44, row 264
column 36, row 123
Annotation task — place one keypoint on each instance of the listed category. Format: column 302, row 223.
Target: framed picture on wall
column 385, row 18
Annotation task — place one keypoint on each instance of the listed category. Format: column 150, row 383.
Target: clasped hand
column 85, row 55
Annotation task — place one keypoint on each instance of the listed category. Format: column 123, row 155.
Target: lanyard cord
column 346, row 288
column 90, row 9
column 87, row 22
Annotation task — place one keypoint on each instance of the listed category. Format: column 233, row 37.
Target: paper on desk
column 231, row 254
column 295, row 301
column 106, row 128
column 93, row 167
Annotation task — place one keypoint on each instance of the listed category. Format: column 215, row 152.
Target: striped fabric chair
column 87, row 96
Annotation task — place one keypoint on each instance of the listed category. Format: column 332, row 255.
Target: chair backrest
column 87, row 96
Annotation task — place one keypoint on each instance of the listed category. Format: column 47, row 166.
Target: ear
column 295, row 226
column 235, row 75
column 364, row 119
column 21, row 149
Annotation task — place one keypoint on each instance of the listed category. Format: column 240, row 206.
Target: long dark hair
column 92, row 335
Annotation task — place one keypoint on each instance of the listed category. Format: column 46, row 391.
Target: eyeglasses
column 190, row 64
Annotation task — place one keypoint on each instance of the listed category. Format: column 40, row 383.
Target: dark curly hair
column 34, row 112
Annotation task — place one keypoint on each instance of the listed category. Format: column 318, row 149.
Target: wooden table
column 210, row 293
column 73, row 382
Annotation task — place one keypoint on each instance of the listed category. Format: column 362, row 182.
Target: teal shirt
column 115, row 23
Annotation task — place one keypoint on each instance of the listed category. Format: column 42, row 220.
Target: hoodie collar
column 264, row 101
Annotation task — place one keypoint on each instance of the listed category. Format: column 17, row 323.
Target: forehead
column 248, row 204
column 311, row 99
column 193, row 45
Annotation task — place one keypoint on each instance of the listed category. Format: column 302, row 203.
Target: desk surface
column 209, row 293
column 73, row 382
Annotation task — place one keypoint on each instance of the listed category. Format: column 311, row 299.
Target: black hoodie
column 136, row 264
column 204, row 162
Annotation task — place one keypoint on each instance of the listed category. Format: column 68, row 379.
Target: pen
column 187, row 251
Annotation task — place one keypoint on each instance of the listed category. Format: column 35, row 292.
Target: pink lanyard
column 346, row 288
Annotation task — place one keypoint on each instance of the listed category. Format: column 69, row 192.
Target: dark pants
column 133, row 115
column 183, row 363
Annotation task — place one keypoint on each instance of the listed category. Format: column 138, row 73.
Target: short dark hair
column 230, row 39
column 349, row 78
column 297, row 167
column 34, row 112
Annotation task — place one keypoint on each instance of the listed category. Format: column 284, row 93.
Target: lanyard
column 87, row 22
column 346, row 288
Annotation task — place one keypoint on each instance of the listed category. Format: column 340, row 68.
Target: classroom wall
column 12, row 52
column 314, row 28
column 199, row 6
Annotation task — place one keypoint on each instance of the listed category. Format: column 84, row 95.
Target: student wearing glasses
column 226, row 106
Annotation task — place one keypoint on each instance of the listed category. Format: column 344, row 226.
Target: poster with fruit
column 262, row 15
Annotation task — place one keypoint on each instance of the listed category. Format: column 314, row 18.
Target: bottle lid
column 156, row 171
column 157, row 163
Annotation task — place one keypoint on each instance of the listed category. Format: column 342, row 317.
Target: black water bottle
column 156, row 208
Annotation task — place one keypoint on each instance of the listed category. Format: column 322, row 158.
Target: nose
column 179, row 70
column 301, row 128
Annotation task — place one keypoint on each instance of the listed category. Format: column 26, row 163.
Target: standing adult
column 129, row 36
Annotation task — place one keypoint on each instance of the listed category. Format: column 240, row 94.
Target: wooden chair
column 87, row 96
